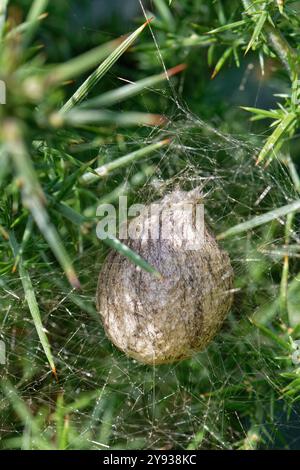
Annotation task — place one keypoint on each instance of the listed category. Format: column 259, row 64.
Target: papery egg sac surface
column 157, row 321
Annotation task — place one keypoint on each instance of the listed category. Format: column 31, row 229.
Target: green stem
column 283, row 296
column 285, row 52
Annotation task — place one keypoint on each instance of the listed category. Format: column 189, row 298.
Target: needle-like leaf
column 33, row 196
column 132, row 255
column 32, row 302
column 260, row 220
column 38, row 7
column 274, row 138
column 3, row 8
column 123, row 161
column 257, row 30
column 130, row 90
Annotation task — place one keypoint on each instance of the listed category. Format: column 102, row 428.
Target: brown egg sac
column 157, row 321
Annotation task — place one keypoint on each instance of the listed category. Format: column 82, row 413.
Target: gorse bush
column 164, row 106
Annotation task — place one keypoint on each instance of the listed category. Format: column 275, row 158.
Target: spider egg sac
column 163, row 320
